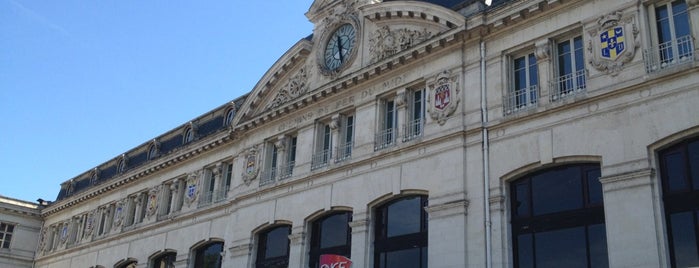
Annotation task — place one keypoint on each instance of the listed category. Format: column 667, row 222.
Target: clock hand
column 339, row 47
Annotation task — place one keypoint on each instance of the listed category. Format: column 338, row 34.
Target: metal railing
column 343, row 152
column 668, row 54
column 320, row 159
column 282, row 172
column 521, row 99
column 413, row 129
column 384, row 139
column 568, row 85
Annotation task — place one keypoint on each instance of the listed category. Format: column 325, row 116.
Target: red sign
column 334, row 261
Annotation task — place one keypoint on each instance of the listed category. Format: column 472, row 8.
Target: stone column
column 446, row 236
column 240, row 254
column 632, row 238
column 297, row 252
column 360, row 240
column 335, row 140
column 401, row 114
column 542, row 52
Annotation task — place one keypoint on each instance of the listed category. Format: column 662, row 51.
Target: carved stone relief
column 386, row 42
column 191, row 188
column 252, row 165
column 296, row 86
column 612, row 41
column 152, row 204
column 119, row 213
column 444, row 96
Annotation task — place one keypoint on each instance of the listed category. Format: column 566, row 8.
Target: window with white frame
column 672, row 40
column 290, row 157
column 230, row 114
column 321, row 156
column 209, row 187
column 524, row 85
column 344, row 147
column 571, row 77
column 6, row 231
column 416, row 114
column 386, row 134
column 227, row 179
column 271, row 163
column 188, row 135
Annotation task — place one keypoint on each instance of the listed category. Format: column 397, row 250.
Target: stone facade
column 427, row 103
column 19, row 234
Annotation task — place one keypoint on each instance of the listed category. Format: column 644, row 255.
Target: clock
column 339, row 47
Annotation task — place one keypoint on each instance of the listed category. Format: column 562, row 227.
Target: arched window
column 209, row 255
column 152, row 151
column 165, row 260
column 129, row 263
column 400, row 235
column 273, row 247
column 188, row 135
column 679, row 170
column 121, row 165
column 330, row 235
column 229, row 116
column 558, row 218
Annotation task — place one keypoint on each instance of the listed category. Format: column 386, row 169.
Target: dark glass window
column 526, row 80
column 129, row 264
column 558, row 218
column 401, row 233
column 166, row 260
column 209, row 256
column 273, row 248
column 6, row 230
column 330, row 235
column 679, row 170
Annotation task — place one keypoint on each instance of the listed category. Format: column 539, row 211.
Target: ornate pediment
column 387, row 41
column 295, row 87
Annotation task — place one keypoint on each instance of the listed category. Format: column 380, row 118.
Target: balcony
column 384, row 139
column 271, row 175
column 568, row 85
column 343, row 152
column 671, row 53
column 520, row 100
column 320, row 159
column 413, row 130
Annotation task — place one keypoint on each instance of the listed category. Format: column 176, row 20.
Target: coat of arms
column 443, row 96
column 191, row 189
column 251, row 165
column 119, row 213
column 152, row 203
column 612, row 41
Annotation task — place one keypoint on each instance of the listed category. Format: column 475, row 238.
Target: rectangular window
column 524, row 87
column 416, row 115
column 344, row 149
column 208, row 189
column 6, row 231
column 571, row 76
column 269, row 174
column 672, row 40
column 227, row 178
column 385, row 137
column 321, row 156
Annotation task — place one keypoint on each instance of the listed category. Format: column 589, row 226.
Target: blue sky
column 83, row 81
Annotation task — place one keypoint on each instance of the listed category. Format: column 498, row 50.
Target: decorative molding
column 627, row 180
column 252, row 165
column 191, row 188
column 240, row 250
column 447, row 209
column 612, row 41
column 444, row 96
column 385, row 42
column 89, row 224
column 346, row 12
column 692, row 3
column 119, row 213
column 297, row 238
column 296, row 87
column 400, row 99
column 542, row 50
column 152, row 205
column 359, row 226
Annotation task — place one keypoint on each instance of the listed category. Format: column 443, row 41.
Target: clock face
column 339, row 47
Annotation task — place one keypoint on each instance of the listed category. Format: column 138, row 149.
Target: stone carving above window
column 252, row 167
column 385, row 41
column 296, row 86
column 612, row 41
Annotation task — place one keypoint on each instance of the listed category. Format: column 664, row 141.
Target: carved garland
column 386, row 42
column 296, row 87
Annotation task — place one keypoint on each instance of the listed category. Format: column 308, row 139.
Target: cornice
column 174, row 159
